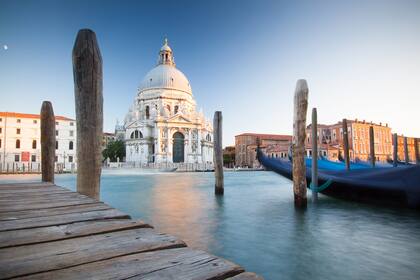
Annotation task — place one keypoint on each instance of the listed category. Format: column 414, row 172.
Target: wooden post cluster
column 298, row 143
column 218, row 153
column 406, row 157
column 346, row 144
column 395, row 152
column 314, row 152
column 416, row 150
column 87, row 71
column 47, row 141
column 372, row 146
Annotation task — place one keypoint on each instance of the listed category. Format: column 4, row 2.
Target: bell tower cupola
column 165, row 54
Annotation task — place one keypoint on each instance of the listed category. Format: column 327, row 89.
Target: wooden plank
column 15, row 215
column 12, row 194
column 54, row 233
column 246, row 276
column 40, row 198
column 29, row 259
column 10, row 189
column 27, row 185
column 62, row 219
column 42, row 205
column 183, row 263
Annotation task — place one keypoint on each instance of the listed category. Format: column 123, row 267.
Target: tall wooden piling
column 372, row 146
column 406, row 156
column 314, row 152
column 218, row 153
column 416, row 150
column 346, row 144
column 298, row 142
column 47, row 141
column 395, row 151
column 87, row 72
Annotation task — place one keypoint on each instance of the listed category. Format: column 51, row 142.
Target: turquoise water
column 255, row 225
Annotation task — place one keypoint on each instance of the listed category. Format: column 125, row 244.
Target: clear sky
column 361, row 58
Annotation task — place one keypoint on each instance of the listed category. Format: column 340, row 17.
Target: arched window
column 56, row 145
column 169, row 108
column 17, row 144
column 136, row 134
column 176, row 108
column 132, row 135
column 33, row 144
column 147, row 112
column 71, row 145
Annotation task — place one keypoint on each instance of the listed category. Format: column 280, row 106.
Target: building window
column 147, row 112
column 17, row 130
column 0, row 143
column 56, row 133
column 71, row 133
column 71, row 123
column 70, row 159
column 17, row 144
column 17, row 158
column 71, row 145
column 56, row 158
column 56, row 123
column 176, row 108
column 34, row 144
column 56, row 145
column 18, row 120
column 33, row 158
column 1, row 119
column 1, row 129
column 35, row 121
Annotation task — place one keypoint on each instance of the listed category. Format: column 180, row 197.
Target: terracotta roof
column 268, row 136
column 30, row 116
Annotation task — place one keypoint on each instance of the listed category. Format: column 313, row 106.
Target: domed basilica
column 162, row 125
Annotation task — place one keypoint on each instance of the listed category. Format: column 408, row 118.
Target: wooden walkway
column 49, row 232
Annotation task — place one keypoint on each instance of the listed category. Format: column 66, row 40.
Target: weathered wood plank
column 62, row 219
column 246, row 276
column 67, row 231
column 26, row 184
column 29, row 259
column 29, row 191
column 183, row 263
column 40, row 198
column 41, row 205
column 47, row 141
column 15, row 215
column 218, row 153
column 12, row 194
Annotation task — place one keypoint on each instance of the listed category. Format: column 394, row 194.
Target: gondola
column 398, row 186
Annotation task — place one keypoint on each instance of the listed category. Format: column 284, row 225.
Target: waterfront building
column 20, row 142
column 229, row 156
column 273, row 145
column 163, row 125
column 330, row 140
column 410, row 146
column 107, row 137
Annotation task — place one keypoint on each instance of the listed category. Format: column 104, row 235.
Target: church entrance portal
column 178, row 147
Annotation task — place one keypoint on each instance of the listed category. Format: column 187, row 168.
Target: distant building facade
column 20, row 142
column 229, row 156
column 107, row 137
column 411, row 151
column 273, row 145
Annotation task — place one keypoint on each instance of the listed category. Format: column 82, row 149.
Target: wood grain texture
column 7, row 207
column 24, row 260
column 372, row 146
column 182, row 264
column 47, row 141
column 15, row 215
column 87, row 72
column 298, row 142
column 218, row 152
column 346, row 144
column 406, row 156
column 314, row 170
column 395, row 150
column 62, row 219
column 67, row 231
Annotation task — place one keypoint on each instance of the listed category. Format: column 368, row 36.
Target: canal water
column 255, row 224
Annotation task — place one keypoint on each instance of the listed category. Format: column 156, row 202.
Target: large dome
column 165, row 76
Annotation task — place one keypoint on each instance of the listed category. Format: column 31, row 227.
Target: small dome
column 165, row 46
column 165, row 77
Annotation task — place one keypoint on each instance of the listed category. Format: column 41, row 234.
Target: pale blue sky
column 361, row 58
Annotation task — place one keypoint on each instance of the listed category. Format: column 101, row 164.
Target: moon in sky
column 5, row 47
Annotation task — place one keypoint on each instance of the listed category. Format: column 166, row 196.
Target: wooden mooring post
column 406, row 156
column 395, row 151
column 218, row 153
column 314, row 154
column 298, row 143
column 346, row 144
column 87, row 71
column 416, row 150
column 47, row 141
column 372, row 146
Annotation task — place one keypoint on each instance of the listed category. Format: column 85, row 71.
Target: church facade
column 163, row 125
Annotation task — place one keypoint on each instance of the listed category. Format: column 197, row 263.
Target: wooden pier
column 49, row 232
